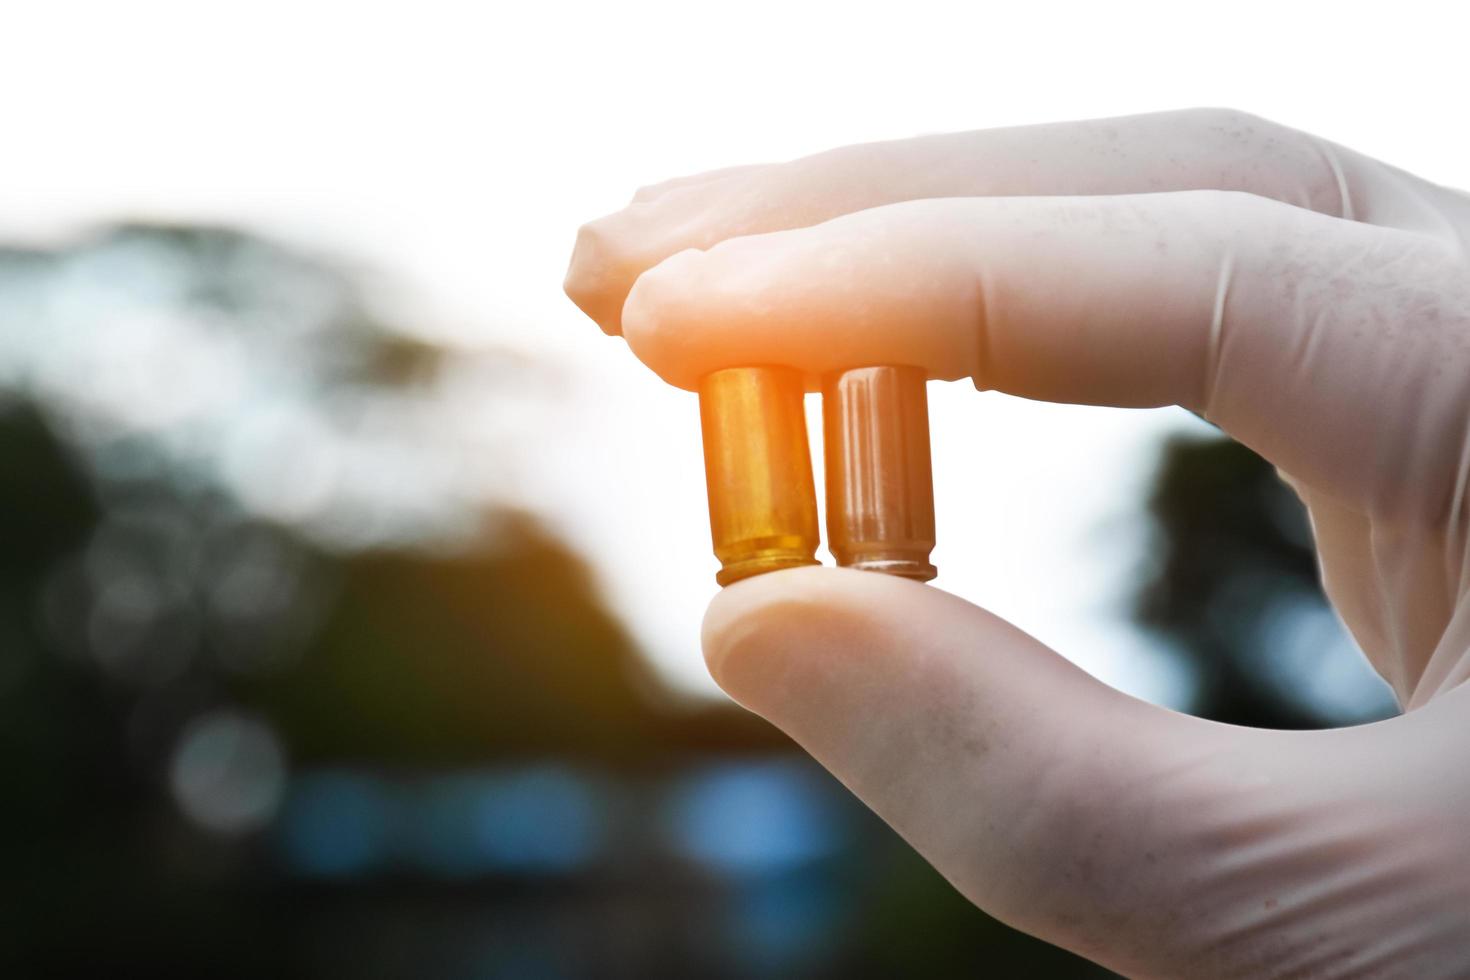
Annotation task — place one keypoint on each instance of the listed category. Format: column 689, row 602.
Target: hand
column 1312, row 302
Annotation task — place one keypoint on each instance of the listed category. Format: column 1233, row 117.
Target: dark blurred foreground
column 276, row 698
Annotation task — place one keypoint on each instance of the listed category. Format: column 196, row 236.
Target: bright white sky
column 459, row 146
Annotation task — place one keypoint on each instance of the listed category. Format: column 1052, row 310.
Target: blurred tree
column 1236, row 591
column 240, row 548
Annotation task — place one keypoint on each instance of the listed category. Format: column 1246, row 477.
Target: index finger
column 1269, row 320
column 1209, row 149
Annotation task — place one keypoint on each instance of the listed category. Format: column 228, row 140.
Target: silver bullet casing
column 880, row 484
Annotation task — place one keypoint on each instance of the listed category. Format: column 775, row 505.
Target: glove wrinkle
column 1329, row 154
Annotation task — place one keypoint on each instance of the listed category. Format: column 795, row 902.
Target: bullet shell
column 758, row 471
column 880, row 487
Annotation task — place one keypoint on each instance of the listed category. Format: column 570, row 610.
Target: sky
column 452, row 150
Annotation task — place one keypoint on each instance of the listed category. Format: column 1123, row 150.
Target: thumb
column 1011, row 770
column 1152, row 842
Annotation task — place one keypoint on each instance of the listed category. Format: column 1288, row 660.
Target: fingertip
column 652, row 314
column 758, row 633
column 593, row 279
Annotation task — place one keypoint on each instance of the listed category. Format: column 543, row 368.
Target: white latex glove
column 1313, row 303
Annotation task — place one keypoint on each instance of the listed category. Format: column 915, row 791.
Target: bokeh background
column 350, row 580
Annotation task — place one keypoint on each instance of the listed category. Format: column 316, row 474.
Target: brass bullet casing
column 880, row 486
column 758, row 470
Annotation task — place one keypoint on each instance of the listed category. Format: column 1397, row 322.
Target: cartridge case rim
column 760, row 564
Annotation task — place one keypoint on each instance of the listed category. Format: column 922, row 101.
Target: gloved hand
column 1312, row 302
